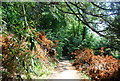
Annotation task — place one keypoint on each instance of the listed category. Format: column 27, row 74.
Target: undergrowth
column 27, row 56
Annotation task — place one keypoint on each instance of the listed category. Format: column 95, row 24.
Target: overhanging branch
column 95, row 15
column 85, row 22
column 88, row 13
column 102, row 7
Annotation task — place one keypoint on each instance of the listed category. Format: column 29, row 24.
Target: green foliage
column 18, row 57
column 18, row 18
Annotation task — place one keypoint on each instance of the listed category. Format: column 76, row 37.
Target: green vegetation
column 75, row 25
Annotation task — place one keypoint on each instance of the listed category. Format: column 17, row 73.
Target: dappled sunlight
column 65, row 70
column 53, row 40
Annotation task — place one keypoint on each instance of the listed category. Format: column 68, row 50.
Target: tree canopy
column 29, row 27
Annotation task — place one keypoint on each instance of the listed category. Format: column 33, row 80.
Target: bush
column 97, row 67
column 22, row 57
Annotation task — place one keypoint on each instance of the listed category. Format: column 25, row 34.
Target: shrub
column 97, row 67
column 23, row 56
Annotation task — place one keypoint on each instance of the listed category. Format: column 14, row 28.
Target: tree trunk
column 24, row 11
column 83, row 33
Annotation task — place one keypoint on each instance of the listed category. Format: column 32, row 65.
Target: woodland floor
column 65, row 70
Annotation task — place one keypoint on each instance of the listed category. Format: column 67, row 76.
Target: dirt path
column 65, row 70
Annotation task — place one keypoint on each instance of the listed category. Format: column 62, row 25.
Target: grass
column 83, row 75
column 43, row 70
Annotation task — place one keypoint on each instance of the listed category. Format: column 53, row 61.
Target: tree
column 98, row 17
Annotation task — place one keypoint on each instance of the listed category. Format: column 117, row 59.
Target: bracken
column 97, row 67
